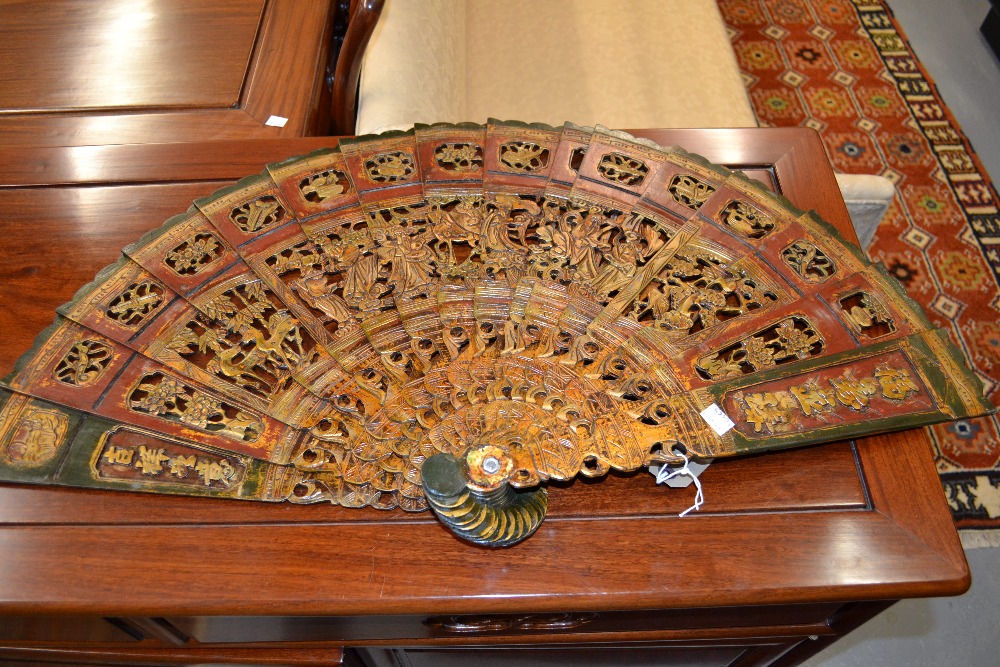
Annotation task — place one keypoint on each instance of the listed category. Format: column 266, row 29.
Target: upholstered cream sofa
column 622, row 64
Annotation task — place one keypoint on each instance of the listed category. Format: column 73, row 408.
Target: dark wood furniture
column 357, row 26
column 790, row 551
column 163, row 70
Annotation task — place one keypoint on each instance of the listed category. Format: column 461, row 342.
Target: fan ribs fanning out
column 516, row 303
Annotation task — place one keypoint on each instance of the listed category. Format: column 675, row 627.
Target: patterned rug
column 846, row 69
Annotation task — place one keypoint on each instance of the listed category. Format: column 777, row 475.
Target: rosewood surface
column 162, row 70
column 787, row 546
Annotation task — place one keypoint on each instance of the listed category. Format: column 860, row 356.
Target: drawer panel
column 65, row 629
column 653, row 656
column 803, row 619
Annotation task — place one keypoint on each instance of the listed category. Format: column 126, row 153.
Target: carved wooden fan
column 452, row 316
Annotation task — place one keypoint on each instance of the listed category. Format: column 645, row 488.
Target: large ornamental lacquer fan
column 452, row 316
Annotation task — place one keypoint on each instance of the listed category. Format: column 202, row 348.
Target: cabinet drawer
column 65, row 629
column 600, row 656
column 700, row 623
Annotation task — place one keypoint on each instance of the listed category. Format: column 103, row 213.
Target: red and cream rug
column 846, row 69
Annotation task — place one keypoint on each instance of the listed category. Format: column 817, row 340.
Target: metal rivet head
column 491, row 464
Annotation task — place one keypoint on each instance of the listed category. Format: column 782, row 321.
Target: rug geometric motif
column 846, row 70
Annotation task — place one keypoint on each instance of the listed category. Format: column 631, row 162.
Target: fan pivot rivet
column 491, row 464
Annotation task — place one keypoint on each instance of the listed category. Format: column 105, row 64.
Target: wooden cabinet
column 154, row 71
column 790, row 551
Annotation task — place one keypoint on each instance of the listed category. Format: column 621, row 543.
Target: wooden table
column 84, row 73
column 790, row 551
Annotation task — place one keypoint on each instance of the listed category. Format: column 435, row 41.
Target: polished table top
column 162, row 70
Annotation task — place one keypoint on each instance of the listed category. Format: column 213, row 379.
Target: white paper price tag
column 717, row 419
column 276, row 121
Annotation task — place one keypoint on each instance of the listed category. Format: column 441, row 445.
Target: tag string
column 666, row 472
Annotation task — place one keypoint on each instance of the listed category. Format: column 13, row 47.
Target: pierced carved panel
column 695, row 291
column 523, row 156
column 84, row 364
column 809, row 262
column 244, row 340
column 459, row 156
column 746, row 220
column 622, row 169
column 193, row 255
column 324, row 185
column 866, row 313
column 173, row 400
column 788, row 340
column 689, row 191
column 136, row 303
column 390, row 167
column 258, row 214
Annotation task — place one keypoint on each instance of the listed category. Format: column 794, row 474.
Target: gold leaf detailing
column 194, row 254
column 164, row 461
column 390, row 167
column 812, row 399
column 150, row 460
column 523, row 156
column 746, row 220
column 459, row 157
column 472, row 237
column 782, row 410
column 576, row 158
column 408, row 216
column 698, row 291
column 136, row 303
column 246, row 342
column 301, row 257
column 324, row 185
column 811, row 263
column 790, row 339
column 622, row 169
column 36, row 437
column 257, row 214
column 896, row 383
column 170, row 399
column 84, row 364
column 769, row 410
column 867, row 315
column 854, row 393
column 689, row 191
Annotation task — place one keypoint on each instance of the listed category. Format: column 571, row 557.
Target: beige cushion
column 636, row 64
column 868, row 198
column 413, row 70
